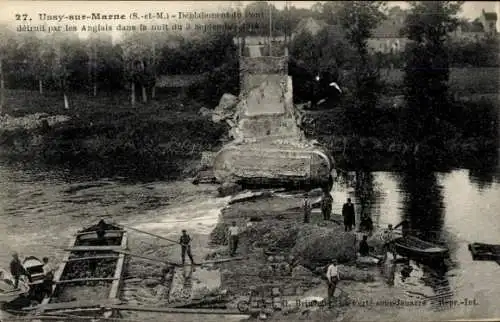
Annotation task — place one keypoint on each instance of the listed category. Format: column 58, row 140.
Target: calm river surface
column 39, row 211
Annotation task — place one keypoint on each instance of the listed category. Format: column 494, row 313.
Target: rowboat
column 414, row 247
column 481, row 251
column 90, row 275
column 7, row 291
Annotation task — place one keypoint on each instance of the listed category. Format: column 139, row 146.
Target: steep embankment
column 105, row 136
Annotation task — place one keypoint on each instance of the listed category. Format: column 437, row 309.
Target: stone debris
column 226, row 108
column 31, row 121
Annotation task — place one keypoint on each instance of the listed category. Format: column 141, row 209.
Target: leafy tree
column 358, row 19
column 8, row 44
column 428, row 25
column 137, row 49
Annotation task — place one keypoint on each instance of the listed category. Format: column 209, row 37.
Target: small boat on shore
column 412, row 246
column 482, row 251
column 7, row 291
column 90, row 275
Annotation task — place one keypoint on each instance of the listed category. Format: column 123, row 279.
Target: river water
column 39, row 211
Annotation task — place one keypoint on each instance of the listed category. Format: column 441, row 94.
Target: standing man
column 48, row 272
column 233, row 238
column 17, row 269
column 185, row 242
column 348, row 214
column 332, row 277
column 326, row 205
column 307, row 209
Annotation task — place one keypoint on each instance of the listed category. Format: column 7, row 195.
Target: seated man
column 17, row 270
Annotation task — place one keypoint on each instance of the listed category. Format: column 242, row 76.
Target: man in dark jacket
column 348, row 214
column 185, row 242
column 17, row 269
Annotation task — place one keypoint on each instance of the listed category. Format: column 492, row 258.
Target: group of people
column 18, row 270
column 233, row 233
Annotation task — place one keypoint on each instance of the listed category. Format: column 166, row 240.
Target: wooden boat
column 7, row 291
column 90, row 274
column 412, row 246
column 481, row 251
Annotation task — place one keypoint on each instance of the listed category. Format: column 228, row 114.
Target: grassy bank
column 106, row 136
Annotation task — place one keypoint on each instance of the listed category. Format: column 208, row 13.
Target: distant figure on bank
column 185, row 242
column 405, row 227
column 17, row 270
column 307, row 209
column 332, row 276
column 234, row 233
column 364, row 249
column 388, row 236
column 326, row 205
column 348, row 214
column 366, row 224
column 48, row 277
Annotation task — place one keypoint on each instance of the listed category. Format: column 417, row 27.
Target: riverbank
column 285, row 259
column 164, row 139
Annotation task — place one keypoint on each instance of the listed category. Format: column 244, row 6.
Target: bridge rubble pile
column 268, row 145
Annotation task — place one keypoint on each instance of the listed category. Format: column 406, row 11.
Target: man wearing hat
column 17, row 269
column 332, row 276
column 185, row 242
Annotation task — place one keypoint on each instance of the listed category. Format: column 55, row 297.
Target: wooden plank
column 58, row 274
column 95, row 233
column 150, row 234
column 91, row 257
column 91, row 248
column 88, row 279
column 175, row 310
column 78, row 304
column 115, row 286
column 222, row 260
column 154, row 259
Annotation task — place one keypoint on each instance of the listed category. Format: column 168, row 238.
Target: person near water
column 185, row 242
column 48, row 277
column 307, row 209
column 326, row 205
column 332, row 276
column 366, row 224
column 348, row 214
column 17, row 270
column 364, row 249
column 405, row 227
column 234, row 232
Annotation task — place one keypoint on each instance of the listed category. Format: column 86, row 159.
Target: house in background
column 386, row 38
column 481, row 27
column 311, row 25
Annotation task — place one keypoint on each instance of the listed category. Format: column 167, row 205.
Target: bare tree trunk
column 65, row 95
column 144, row 95
column 2, row 88
column 40, row 86
column 153, row 90
column 95, row 71
column 66, row 102
column 132, row 94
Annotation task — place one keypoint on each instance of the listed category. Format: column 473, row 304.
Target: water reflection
column 423, row 207
column 485, row 174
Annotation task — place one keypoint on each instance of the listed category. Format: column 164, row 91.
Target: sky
column 9, row 9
